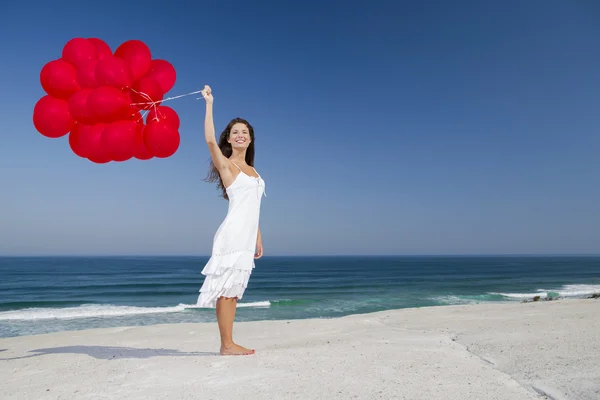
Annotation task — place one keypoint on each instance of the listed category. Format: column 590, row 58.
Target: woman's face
column 239, row 136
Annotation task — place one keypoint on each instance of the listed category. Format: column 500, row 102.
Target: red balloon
column 141, row 152
column 164, row 73
column 108, row 104
column 113, row 71
column 102, row 48
column 137, row 55
column 84, row 139
column 51, row 117
column 86, row 74
column 161, row 139
column 146, row 90
column 119, row 139
column 79, row 109
column 164, row 113
column 75, row 141
column 59, row 79
column 92, row 141
column 79, row 50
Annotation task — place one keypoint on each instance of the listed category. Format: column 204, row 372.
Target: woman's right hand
column 207, row 94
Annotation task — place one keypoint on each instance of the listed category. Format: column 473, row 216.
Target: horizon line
column 314, row 255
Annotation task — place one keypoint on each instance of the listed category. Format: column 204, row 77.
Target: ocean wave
column 101, row 310
column 465, row 299
column 542, row 295
column 564, row 291
column 575, row 291
column 290, row 302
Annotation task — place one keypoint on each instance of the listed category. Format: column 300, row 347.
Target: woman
column 238, row 240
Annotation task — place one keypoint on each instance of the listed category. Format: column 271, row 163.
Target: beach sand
column 538, row 350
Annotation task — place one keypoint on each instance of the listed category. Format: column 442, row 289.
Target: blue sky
column 381, row 128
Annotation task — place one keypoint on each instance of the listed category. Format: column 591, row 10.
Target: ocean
column 50, row 294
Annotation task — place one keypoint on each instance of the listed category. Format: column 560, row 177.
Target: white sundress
column 232, row 261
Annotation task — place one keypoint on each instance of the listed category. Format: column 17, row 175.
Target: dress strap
column 235, row 165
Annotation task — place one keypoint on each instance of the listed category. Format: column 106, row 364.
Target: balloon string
column 153, row 103
column 160, row 101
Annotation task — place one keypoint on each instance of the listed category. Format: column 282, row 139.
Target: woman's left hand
column 259, row 250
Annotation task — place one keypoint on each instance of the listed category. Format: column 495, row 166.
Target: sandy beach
column 536, row 350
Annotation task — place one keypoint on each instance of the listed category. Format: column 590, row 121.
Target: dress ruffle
column 227, row 275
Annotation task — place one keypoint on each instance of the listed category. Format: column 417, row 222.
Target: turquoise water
column 48, row 294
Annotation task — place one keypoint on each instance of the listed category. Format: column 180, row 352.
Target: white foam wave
column 522, row 295
column 576, row 290
column 456, row 300
column 564, row 291
column 104, row 310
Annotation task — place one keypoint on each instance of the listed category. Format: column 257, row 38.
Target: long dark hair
column 225, row 146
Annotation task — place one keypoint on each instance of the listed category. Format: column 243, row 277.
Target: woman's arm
column 259, row 245
column 219, row 160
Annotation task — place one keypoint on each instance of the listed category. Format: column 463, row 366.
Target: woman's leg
column 226, row 307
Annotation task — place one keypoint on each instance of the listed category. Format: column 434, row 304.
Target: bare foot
column 235, row 350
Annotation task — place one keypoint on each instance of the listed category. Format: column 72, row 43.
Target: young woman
column 238, row 241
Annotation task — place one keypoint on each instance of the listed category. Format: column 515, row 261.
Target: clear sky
column 435, row 127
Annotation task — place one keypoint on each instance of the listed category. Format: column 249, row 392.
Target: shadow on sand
column 113, row 353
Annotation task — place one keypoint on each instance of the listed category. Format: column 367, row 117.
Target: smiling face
column 239, row 136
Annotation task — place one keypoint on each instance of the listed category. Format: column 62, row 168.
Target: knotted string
column 147, row 97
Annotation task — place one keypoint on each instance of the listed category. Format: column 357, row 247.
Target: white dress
column 232, row 261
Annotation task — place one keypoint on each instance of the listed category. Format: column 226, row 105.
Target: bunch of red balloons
column 97, row 98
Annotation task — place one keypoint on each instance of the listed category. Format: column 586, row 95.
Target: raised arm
column 219, row 160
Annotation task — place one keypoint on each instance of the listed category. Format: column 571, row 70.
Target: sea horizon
column 173, row 255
